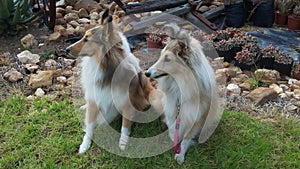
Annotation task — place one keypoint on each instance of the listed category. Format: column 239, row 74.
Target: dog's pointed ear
column 105, row 17
column 171, row 30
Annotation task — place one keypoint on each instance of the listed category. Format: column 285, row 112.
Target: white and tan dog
column 105, row 49
column 187, row 80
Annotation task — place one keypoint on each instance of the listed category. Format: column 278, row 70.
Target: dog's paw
column 123, row 141
column 84, row 147
column 179, row 158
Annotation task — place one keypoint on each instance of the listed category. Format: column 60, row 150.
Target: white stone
column 27, row 57
column 276, row 88
column 39, row 92
column 292, row 81
column 61, row 79
column 233, row 89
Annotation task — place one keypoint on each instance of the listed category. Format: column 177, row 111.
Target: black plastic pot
column 264, row 14
column 230, row 54
column 267, row 63
column 235, row 15
column 283, row 68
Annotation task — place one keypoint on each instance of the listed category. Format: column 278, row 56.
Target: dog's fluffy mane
column 190, row 50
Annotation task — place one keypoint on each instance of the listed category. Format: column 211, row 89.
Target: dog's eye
column 167, row 59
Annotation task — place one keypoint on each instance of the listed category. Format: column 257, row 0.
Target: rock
column 68, row 62
column 203, row 9
column 83, row 13
column 289, row 94
column 234, row 71
column 61, row 79
column 233, row 89
column 69, row 9
column 29, row 41
column 222, row 76
column 89, row 5
column 70, row 30
column 71, row 17
column 39, row 92
column 60, row 21
column 245, row 86
column 31, row 67
column 188, row 27
column 54, row 36
column 60, row 3
column 216, row 3
column 283, row 96
column 261, row 95
column 296, row 96
column 284, row 87
column 59, row 15
column 239, row 79
column 27, row 57
column 71, row 2
column 30, row 97
column 74, row 23
column 292, row 108
column 79, row 31
column 225, row 64
column 42, row 78
column 62, row 30
column 70, row 80
column 94, row 16
column 13, row 75
column 60, row 10
column 212, row 6
column 51, row 64
column 83, row 21
column 297, row 91
column 292, row 81
column 276, row 88
column 267, row 76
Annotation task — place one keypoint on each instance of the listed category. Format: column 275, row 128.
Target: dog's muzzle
column 154, row 75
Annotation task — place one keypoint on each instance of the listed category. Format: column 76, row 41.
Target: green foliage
column 284, row 6
column 13, row 13
column 253, row 81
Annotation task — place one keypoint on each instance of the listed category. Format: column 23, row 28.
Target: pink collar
column 177, row 147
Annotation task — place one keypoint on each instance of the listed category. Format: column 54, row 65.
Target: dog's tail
column 213, row 118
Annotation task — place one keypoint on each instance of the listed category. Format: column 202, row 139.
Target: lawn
column 44, row 133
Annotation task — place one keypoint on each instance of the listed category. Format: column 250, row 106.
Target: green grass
column 46, row 134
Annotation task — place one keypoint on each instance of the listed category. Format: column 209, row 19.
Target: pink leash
column 177, row 147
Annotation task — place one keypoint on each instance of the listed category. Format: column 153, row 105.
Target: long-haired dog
column 187, row 80
column 105, row 50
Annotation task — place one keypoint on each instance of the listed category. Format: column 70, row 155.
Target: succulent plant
column 280, row 57
column 13, row 13
column 284, row 6
column 296, row 11
column 153, row 38
column 249, row 54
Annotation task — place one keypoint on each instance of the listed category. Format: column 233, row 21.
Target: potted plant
column 294, row 19
column 283, row 63
column 248, row 57
column 268, row 57
column 153, row 41
column 284, row 8
column 224, row 43
column 235, row 13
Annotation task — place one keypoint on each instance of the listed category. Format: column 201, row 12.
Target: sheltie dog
column 187, row 80
column 105, row 51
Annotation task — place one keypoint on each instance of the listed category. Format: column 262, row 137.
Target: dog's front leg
column 185, row 144
column 125, row 132
column 91, row 114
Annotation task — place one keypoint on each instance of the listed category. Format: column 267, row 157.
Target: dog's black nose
column 68, row 49
column 148, row 74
